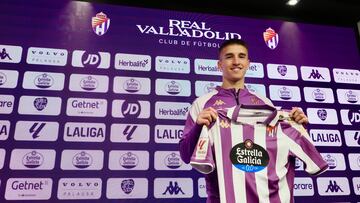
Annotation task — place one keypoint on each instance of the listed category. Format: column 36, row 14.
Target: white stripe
column 281, row 160
column 215, row 131
column 261, row 177
column 238, row 175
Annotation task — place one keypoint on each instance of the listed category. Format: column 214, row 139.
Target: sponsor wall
column 93, row 98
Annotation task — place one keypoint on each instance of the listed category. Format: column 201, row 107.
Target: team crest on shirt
column 255, row 100
column 249, row 157
column 224, row 124
column 219, row 102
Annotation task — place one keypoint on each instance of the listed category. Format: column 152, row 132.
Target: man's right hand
column 206, row 116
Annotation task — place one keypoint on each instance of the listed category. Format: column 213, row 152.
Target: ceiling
column 331, row 12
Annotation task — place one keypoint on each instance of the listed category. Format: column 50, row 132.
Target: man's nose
column 236, row 60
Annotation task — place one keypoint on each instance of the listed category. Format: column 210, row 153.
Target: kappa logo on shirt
column 219, row 102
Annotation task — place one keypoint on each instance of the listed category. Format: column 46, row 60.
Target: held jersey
column 255, row 150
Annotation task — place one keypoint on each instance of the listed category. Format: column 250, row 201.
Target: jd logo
column 90, row 59
column 354, row 116
column 131, row 109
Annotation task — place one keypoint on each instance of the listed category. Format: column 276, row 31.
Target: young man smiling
column 233, row 63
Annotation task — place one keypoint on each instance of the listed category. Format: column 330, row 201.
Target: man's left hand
column 298, row 115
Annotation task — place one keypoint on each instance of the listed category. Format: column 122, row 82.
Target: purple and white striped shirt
column 255, row 152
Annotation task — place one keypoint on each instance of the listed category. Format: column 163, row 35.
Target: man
column 233, row 62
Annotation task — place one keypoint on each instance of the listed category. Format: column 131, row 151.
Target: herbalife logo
column 315, row 74
column 173, row 189
column 40, row 103
column 134, row 62
column 127, row 185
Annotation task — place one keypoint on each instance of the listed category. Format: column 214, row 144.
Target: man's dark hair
column 232, row 42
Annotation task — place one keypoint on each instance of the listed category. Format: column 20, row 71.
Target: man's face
column 234, row 62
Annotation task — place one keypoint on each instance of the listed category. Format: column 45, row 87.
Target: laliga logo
column 271, row 38
column 100, row 23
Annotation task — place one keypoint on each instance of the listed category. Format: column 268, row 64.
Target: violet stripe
column 308, row 148
column 235, row 113
column 226, row 146
column 273, row 179
column 290, row 175
column 250, row 183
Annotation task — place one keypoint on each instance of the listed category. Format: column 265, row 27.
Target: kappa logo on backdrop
column 271, row 38
column 333, row 187
column 127, row 185
column 40, row 103
column 173, row 189
column 5, row 55
column 100, row 23
column 315, row 74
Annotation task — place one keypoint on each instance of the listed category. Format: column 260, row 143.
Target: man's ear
column 219, row 65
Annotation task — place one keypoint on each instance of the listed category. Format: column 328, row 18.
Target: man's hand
column 206, row 116
column 298, row 115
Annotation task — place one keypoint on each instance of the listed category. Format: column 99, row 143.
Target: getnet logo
column 284, row 93
column 326, row 137
column 86, row 107
column 168, row 133
column 130, row 109
column 333, row 186
column 256, row 70
column 128, row 160
column 318, row 95
column 8, row 78
column 39, row 105
column 100, row 23
column 82, row 160
column 28, row 189
column 84, row 59
column 36, row 131
column 4, row 129
column 315, row 74
column 43, row 81
column 168, row 64
column 207, row 67
column 173, row 188
column 322, row 116
column 171, row 110
column 130, row 133
column 349, row 76
column 350, row 116
column 84, row 132
column 127, row 188
column 168, row 87
column 132, row 62
column 271, row 38
column 282, row 71
column 6, row 103
column 169, row 160
column 303, row 187
column 10, row 54
column 47, row 56
column 348, row 96
column 79, row 188
column 336, row 161
column 132, row 85
column 89, row 83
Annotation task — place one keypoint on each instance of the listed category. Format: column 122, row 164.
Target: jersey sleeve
column 191, row 133
column 202, row 158
column 301, row 146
